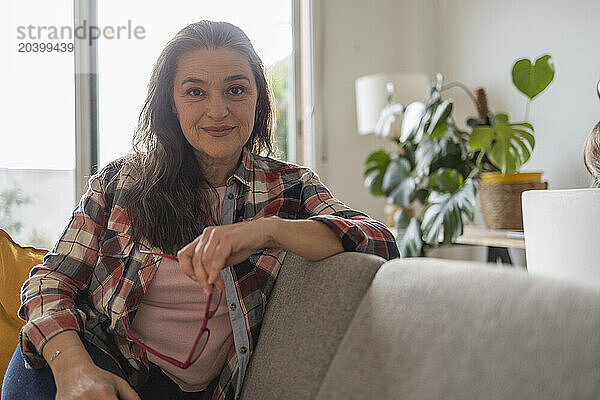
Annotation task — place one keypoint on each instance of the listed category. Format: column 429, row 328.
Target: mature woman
column 158, row 285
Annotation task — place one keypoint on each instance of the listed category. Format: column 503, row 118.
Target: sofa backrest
column 308, row 313
column 439, row 329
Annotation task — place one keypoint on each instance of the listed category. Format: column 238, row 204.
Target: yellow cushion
column 15, row 263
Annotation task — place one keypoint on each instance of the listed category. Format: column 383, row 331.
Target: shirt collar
column 245, row 169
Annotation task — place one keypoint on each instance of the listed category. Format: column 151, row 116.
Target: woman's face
column 214, row 94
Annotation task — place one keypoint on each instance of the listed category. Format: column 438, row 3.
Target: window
column 37, row 155
column 124, row 66
column 42, row 165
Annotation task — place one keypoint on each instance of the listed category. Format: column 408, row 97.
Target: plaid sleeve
column 357, row 230
column 47, row 296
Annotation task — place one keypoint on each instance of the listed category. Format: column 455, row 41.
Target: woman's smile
column 218, row 131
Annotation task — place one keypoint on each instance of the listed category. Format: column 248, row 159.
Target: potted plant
column 428, row 176
column 508, row 147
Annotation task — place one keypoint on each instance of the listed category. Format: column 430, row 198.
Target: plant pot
column 500, row 197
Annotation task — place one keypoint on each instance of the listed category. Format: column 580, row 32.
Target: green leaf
column 524, row 125
column 433, row 149
column 378, row 157
column 376, row 166
column 481, row 138
column 506, row 151
column 446, row 180
column 398, row 170
column 373, row 183
column 439, row 116
column 531, row 80
column 409, row 238
column 404, row 193
column 526, row 135
column 444, row 214
column 501, row 118
column 411, row 120
column 440, row 130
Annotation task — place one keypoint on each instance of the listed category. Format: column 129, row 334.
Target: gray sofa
column 356, row 327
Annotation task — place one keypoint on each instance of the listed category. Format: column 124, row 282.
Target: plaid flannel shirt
column 95, row 273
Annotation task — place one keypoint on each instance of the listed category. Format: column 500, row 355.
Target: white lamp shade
column 562, row 232
column 371, row 95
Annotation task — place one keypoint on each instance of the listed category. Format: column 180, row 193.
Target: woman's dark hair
column 170, row 203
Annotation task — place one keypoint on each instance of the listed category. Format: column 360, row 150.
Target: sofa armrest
column 309, row 310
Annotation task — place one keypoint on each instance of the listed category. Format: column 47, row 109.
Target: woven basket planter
column 501, row 203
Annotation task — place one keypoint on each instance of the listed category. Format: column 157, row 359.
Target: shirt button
column 233, row 307
column 230, row 196
column 243, row 350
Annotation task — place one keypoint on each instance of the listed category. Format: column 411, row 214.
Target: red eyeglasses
column 212, row 303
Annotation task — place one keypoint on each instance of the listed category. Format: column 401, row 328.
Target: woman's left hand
column 221, row 246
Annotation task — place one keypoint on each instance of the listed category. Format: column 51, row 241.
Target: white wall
column 477, row 43
column 355, row 38
column 474, row 41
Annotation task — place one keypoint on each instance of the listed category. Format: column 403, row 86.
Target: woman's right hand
column 85, row 380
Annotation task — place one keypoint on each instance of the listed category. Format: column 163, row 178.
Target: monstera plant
column 428, row 176
column 509, row 145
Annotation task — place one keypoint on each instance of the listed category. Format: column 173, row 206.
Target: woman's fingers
column 214, row 253
column 216, row 248
column 185, row 256
column 199, row 272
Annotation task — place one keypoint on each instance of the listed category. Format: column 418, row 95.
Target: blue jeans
column 21, row 383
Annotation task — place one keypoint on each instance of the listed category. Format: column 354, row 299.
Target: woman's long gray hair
column 170, row 204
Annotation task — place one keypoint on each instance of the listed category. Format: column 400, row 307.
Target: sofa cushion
column 15, row 263
column 439, row 329
column 309, row 310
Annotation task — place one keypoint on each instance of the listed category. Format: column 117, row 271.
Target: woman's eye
column 194, row 92
column 237, row 90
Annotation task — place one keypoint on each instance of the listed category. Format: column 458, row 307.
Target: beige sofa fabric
column 308, row 314
column 438, row 329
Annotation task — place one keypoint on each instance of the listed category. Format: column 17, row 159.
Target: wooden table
column 479, row 235
column 496, row 240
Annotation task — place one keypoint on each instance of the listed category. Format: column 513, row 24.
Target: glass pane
column 37, row 155
column 125, row 63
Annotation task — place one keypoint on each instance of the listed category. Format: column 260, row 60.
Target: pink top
column 169, row 320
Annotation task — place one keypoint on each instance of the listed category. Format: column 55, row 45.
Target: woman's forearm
column 309, row 239
column 71, row 351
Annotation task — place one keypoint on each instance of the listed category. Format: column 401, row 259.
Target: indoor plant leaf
column 439, row 130
column 379, row 157
column 388, row 116
column 444, row 213
column 411, row 120
column 403, row 194
column 409, row 239
column 376, row 165
column 397, row 171
column 531, row 80
column 373, row 183
column 446, row 180
column 506, row 151
column 481, row 138
column 440, row 115
column 432, row 149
